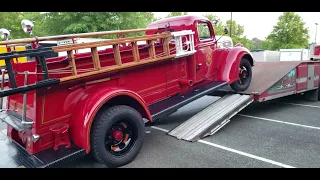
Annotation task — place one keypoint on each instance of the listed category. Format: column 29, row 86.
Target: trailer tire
column 117, row 135
column 245, row 76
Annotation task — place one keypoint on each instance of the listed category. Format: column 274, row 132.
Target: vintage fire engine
column 98, row 102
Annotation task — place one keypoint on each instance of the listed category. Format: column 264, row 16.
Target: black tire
column 109, row 119
column 243, row 83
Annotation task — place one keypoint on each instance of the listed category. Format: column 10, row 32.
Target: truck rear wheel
column 117, row 135
column 245, row 76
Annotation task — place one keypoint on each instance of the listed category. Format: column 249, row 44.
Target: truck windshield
column 203, row 31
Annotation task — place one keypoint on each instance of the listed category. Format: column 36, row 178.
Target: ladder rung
column 135, row 51
column 152, row 51
column 117, row 56
column 95, row 58
column 166, row 48
column 73, row 63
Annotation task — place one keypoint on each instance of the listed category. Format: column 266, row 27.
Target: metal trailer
column 271, row 80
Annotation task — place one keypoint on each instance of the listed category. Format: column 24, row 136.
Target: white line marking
column 283, row 122
column 4, row 131
column 300, row 105
column 235, row 151
column 161, row 129
column 247, row 154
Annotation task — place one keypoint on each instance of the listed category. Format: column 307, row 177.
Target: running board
column 212, row 118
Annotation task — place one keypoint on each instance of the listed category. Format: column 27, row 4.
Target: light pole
column 315, row 38
column 231, row 26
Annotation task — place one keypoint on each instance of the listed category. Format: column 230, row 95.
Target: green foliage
column 237, row 34
column 218, row 28
column 289, row 32
column 81, row 22
column 11, row 21
column 237, row 30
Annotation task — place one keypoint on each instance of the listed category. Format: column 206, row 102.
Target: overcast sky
column 260, row 24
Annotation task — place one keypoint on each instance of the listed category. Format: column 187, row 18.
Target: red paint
column 302, row 72
column 76, row 103
column 117, row 135
column 61, row 135
column 316, row 51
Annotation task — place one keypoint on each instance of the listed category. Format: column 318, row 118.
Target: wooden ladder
column 150, row 39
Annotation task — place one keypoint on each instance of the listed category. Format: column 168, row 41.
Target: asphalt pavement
column 282, row 133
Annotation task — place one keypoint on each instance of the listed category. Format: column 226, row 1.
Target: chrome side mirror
column 4, row 34
column 27, row 26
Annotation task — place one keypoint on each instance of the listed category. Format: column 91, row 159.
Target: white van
column 224, row 41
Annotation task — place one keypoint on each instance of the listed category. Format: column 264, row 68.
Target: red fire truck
column 61, row 108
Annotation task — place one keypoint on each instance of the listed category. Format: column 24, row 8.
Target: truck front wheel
column 245, row 76
column 117, row 135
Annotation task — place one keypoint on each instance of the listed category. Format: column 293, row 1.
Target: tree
column 172, row 14
column 218, row 28
column 38, row 19
column 237, row 34
column 266, row 45
column 256, row 43
column 82, row 22
column 289, row 32
column 11, row 21
column 237, row 30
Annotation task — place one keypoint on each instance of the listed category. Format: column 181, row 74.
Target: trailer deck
column 271, row 80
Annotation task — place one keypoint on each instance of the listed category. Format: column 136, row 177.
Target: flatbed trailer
column 271, row 80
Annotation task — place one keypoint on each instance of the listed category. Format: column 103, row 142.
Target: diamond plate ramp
column 212, row 118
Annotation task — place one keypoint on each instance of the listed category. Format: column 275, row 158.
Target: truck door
column 204, row 39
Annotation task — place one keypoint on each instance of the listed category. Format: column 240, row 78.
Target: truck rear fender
column 93, row 100
column 230, row 61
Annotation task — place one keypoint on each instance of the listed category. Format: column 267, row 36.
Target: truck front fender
column 91, row 102
column 229, row 61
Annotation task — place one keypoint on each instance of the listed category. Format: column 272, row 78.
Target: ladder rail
column 79, row 35
column 109, row 42
column 117, row 54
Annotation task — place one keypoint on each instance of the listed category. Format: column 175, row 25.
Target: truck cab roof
column 185, row 20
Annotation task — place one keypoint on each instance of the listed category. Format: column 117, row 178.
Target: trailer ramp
column 212, row 118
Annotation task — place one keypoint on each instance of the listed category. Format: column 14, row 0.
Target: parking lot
column 282, row 133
